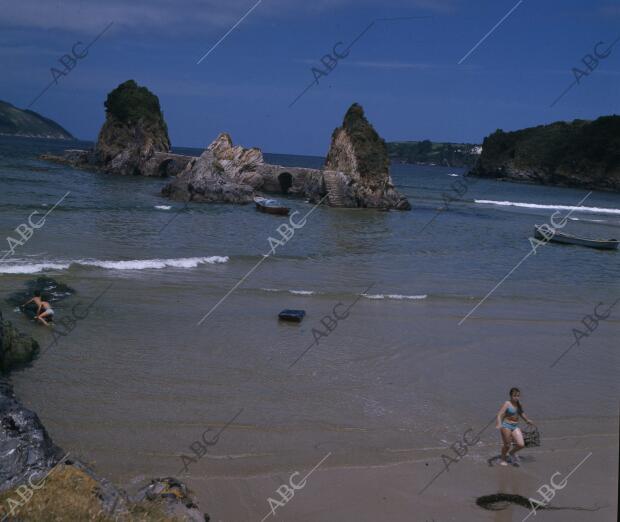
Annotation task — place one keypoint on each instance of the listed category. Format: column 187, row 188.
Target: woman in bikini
column 508, row 424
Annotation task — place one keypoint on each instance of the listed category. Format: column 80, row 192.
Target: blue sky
column 404, row 72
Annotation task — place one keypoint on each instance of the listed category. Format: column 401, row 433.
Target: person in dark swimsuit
column 508, row 424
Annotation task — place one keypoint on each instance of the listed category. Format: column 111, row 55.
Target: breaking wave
column 595, row 210
column 394, row 296
column 133, row 264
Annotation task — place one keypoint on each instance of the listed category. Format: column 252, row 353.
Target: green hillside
column 29, row 124
column 580, row 153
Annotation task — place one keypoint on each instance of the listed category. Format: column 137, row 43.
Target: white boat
column 569, row 239
column 270, row 206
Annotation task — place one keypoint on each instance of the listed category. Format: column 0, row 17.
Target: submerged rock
column 361, row 155
column 222, row 174
column 51, row 291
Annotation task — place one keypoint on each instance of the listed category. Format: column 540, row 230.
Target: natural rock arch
column 285, row 179
column 163, row 168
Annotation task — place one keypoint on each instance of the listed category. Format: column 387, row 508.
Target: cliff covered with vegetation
column 582, row 153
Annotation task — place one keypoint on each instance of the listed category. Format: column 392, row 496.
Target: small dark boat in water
column 292, row 315
column 568, row 239
column 270, row 206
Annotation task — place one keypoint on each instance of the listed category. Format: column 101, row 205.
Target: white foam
column 134, row 264
column 302, row 292
column 394, row 296
column 454, row 175
column 163, row 207
column 595, row 210
column 142, row 264
column 588, row 220
column 33, row 268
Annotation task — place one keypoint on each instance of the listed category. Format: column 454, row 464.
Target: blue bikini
column 511, row 411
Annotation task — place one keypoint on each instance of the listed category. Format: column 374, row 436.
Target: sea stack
column 133, row 131
column 357, row 165
column 132, row 141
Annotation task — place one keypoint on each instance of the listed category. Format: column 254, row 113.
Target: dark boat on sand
column 270, row 206
column 569, row 239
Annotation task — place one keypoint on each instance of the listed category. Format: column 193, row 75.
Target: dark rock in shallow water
column 51, row 291
column 50, row 288
column 16, row 349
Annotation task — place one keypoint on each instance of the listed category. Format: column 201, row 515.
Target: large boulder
column 238, row 163
column 222, row 174
column 16, row 349
column 133, row 131
column 25, row 447
column 359, row 153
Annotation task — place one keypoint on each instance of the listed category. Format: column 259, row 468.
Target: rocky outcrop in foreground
column 358, row 152
column 16, row 349
column 25, row 447
column 582, row 154
column 222, row 174
column 53, row 488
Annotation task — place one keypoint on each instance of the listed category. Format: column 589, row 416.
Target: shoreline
column 391, row 491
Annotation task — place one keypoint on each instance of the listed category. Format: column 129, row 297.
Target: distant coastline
column 431, row 153
column 29, row 124
column 36, row 136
